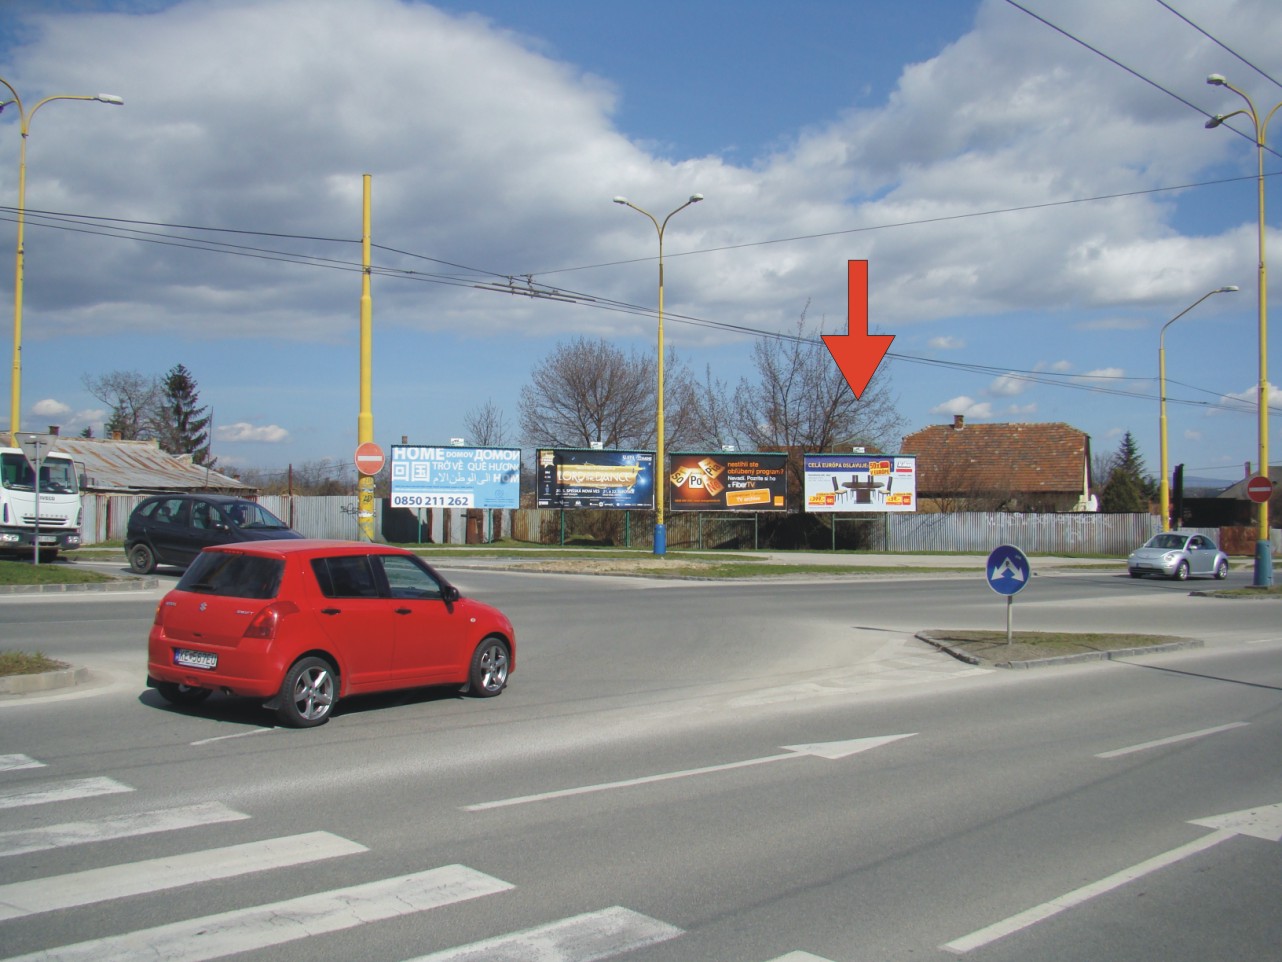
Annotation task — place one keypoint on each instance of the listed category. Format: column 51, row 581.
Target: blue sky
column 1016, row 194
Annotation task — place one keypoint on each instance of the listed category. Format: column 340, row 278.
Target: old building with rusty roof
column 141, row 467
column 1002, row 467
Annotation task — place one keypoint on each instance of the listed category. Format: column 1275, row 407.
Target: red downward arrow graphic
column 857, row 352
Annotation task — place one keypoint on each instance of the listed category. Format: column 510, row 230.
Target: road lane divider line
column 581, row 938
column 13, row 763
column 1172, row 740
column 64, row 791
column 174, row 871
column 21, row 841
column 261, row 926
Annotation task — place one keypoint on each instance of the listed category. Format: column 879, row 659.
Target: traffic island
column 22, row 673
column 1037, row 649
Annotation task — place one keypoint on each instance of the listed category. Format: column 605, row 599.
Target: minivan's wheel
column 488, row 674
column 1222, row 570
column 308, row 693
column 141, row 559
column 177, row 694
column 1182, row 572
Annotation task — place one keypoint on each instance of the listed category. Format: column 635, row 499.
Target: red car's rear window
column 233, row 575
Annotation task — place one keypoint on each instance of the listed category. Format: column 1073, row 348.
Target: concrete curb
column 1062, row 659
column 120, row 584
column 44, row 681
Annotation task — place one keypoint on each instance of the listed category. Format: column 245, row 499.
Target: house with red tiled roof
column 1001, row 467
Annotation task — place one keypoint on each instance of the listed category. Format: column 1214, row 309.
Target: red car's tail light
column 265, row 622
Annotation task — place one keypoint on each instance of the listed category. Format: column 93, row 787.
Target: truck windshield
column 57, row 475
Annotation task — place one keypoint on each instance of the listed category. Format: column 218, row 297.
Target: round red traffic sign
column 369, row 458
column 1259, row 489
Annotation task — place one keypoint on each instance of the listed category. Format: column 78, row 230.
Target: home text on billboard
column 455, row 477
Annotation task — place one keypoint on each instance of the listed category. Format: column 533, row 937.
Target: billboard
column 455, row 477
column 860, row 482
column 580, row 478
column 728, row 481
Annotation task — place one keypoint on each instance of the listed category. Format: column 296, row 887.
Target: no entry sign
column 1259, row 489
column 369, row 458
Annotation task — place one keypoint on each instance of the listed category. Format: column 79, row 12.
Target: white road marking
column 1264, row 822
column 60, row 791
column 582, row 938
column 1188, row 736
column 158, row 874
column 829, row 750
column 800, row 957
column 223, row 738
column 12, row 763
column 122, row 826
column 243, row 930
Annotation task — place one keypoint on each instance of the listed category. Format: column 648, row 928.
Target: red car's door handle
column 404, row 611
column 331, row 611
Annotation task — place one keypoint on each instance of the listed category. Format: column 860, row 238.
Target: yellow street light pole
column 1263, row 552
column 660, row 474
column 24, row 128
column 365, row 418
column 1161, row 380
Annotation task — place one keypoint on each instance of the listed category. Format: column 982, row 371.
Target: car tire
column 1181, row 572
column 178, row 694
column 1222, row 570
column 487, row 675
column 142, row 560
column 1135, row 574
column 308, row 693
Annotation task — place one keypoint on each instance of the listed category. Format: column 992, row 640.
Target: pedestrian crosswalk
column 599, row 934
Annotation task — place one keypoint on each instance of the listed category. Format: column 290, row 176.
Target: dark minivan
column 171, row 529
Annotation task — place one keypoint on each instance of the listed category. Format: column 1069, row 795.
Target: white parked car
column 1178, row 555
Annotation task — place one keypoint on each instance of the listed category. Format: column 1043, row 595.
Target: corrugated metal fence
column 1102, row 534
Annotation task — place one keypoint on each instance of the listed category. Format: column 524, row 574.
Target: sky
column 1031, row 184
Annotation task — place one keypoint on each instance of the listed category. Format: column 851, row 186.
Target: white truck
column 48, row 521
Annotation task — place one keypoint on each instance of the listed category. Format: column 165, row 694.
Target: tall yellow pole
column 1263, row 550
column 1161, row 382
column 660, row 472
column 24, row 130
column 365, row 419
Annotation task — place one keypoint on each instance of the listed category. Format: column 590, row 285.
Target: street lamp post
column 660, row 477
column 24, row 128
column 1161, row 381
column 1263, row 553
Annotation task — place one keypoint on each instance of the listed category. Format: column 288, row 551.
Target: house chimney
column 959, row 421
column 54, row 429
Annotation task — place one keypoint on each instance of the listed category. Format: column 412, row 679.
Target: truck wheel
column 141, row 560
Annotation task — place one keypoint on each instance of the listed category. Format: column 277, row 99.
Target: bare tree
column 135, row 401
column 486, row 426
column 587, row 391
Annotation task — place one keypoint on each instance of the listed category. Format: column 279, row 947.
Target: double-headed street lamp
column 1161, row 382
column 24, row 128
column 1263, row 556
column 660, row 477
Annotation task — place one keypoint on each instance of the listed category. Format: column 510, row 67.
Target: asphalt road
column 679, row 771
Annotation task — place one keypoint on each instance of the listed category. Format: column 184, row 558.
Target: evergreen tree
column 1128, row 489
column 182, row 425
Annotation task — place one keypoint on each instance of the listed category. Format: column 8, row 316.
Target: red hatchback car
column 302, row 623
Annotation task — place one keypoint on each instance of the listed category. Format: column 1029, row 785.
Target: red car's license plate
column 195, row 659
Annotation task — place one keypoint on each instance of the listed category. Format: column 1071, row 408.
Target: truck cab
column 42, row 510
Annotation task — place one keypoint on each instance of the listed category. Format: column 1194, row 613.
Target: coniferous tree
column 182, row 426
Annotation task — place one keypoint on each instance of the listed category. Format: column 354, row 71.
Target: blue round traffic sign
column 1007, row 570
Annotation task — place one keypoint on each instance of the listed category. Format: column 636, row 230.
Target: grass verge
column 991, row 648
column 26, row 573
column 22, row 663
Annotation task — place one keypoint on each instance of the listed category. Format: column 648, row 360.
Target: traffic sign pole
column 1007, row 572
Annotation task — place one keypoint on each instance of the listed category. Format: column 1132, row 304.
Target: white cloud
column 1008, row 385
column 50, row 408
column 946, row 343
column 243, row 431
column 964, row 405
